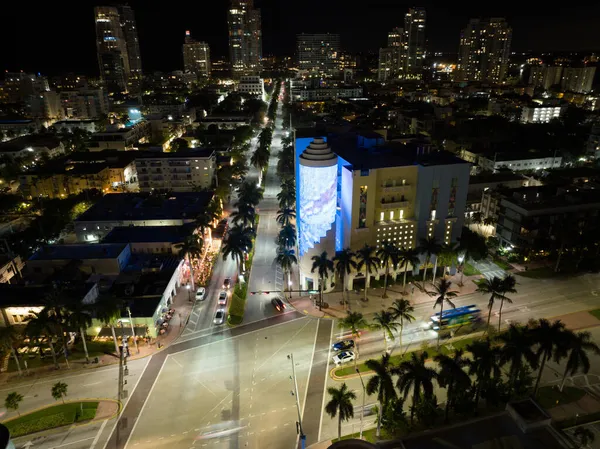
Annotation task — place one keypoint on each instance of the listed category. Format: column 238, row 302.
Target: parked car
column 343, row 357
column 343, row 345
column 227, row 283
column 219, row 316
column 222, row 298
column 200, row 294
column 278, row 304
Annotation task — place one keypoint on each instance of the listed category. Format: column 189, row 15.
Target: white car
column 200, row 294
column 222, row 298
column 343, row 357
column 219, row 317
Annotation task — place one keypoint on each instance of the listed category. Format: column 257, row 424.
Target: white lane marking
column 89, row 385
column 98, row 434
column 72, row 442
column 325, row 386
column 175, row 360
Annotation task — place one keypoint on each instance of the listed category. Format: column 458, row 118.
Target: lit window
column 381, row 218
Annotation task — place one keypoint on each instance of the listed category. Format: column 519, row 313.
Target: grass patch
column 368, row 435
column 447, row 348
column 549, row 397
column 51, row 417
column 470, row 270
column 236, row 309
column 595, row 312
column 539, row 273
column 502, row 264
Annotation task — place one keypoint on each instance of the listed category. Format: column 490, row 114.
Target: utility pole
column 295, row 393
column 362, row 410
column 137, row 349
column 123, row 370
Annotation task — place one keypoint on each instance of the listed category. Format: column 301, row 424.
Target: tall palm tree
column 508, row 286
column 384, row 321
column 340, row 404
column 323, row 266
column 547, row 337
column 80, row 319
column 407, row 257
column 286, row 260
column 577, row 346
column 191, row 247
column 428, row 247
column 42, row 324
column 403, row 310
column 368, row 261
column 483, row 365
column 285, row 216
column 494, row 288
column 388, row 254
column 443, row 294
column 249, row 193
column 355, row 322
column 108, row 310
column 446, row 257
column 245, row 214
column 287, row 196
column 9, row 338
column 452, row 376
column 517, row 351
column 287, row 236
column 381, row 383
column 413, row 374
column 344, row 264
column 236, row 245
column 260, row 158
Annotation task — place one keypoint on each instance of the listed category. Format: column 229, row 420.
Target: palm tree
column 388, row 254
column 42, row 324
column 79, row 318
column 340, row 404
column 190, row 247
column 494, row 287
column 108, row 310
column 508, row 286
column 548, row 338
column 369, row 261
column 429, row 247
column 517, row 350
column 287, row 236
column 381, row 383
column 245, row 214
column 447, row 256
column 344, row 264
column 452, row 376
column 483, row 364
column 413, row 374
column 443, row 294
column 260, row 158
column 249, row 193
column 384, row 321
column 577, row 346
column 285, row 216
column 9, row 337
column 403, row 310
column 323, row 266
column 237, row 243
column 355, row 322
column 286, row 259
column 407, row 257
column 287, row 195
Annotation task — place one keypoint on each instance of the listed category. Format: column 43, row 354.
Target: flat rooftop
column 191, row 152
column 552, row 197
column 150, row 234
column 146, row 206
column 12, row 295
column 31, row 140
column 79, row 251
column 495, row 177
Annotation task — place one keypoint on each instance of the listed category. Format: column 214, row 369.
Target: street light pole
column 137, row 349
column 302, row 436
column 362, row 410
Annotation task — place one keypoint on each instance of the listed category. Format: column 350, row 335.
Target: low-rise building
column 326, row 93
column 542, row 111
column 142, row 209
column 20, row 127
column 226, row 121
column 488, row 182
column 252, row 85
column 519, row 161
column 186, row 171
column 91, row 126
column 121, row 139
column 36, row 144
column 10, row 268
column 151, row 239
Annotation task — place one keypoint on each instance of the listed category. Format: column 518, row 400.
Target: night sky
column 55, row 37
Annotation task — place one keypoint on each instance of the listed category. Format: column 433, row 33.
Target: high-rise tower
column 132, row 41
column 414, row 41
column 319, row 53
column 113, row 58
column 196, row 56
column 245, row 37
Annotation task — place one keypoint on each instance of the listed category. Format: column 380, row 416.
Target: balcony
column 398, row 189
column 394, row 204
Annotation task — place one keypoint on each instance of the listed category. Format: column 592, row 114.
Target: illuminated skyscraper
column 196, row 56
column 245, row 37
column 414, row 41
column 392, row 59
column 319, row 53
column 112, row 49
column 132, row 41
column 484, row 51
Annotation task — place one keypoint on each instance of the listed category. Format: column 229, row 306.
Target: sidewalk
column 376, row 303
column 177, row 324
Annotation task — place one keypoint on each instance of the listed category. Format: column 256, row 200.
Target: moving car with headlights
column 343, row 357
column 219, row 316
column 343, row 345
column 227, row 283
column 222, row 298
column 278, row 304
column 200, row 294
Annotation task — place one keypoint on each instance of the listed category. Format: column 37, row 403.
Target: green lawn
column 549, row 397
column 51, row 417
column 502, row 264
column 596, row 313
column 368, row 435
column 396, row 359
column 470, row 270
column 539, row 273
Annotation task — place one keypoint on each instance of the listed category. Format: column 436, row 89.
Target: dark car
column 227, row 283
column 343, row 345
column 278, row 304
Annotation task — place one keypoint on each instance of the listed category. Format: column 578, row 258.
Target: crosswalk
column 490, row 274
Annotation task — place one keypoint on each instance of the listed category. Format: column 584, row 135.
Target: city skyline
column 281, row 24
